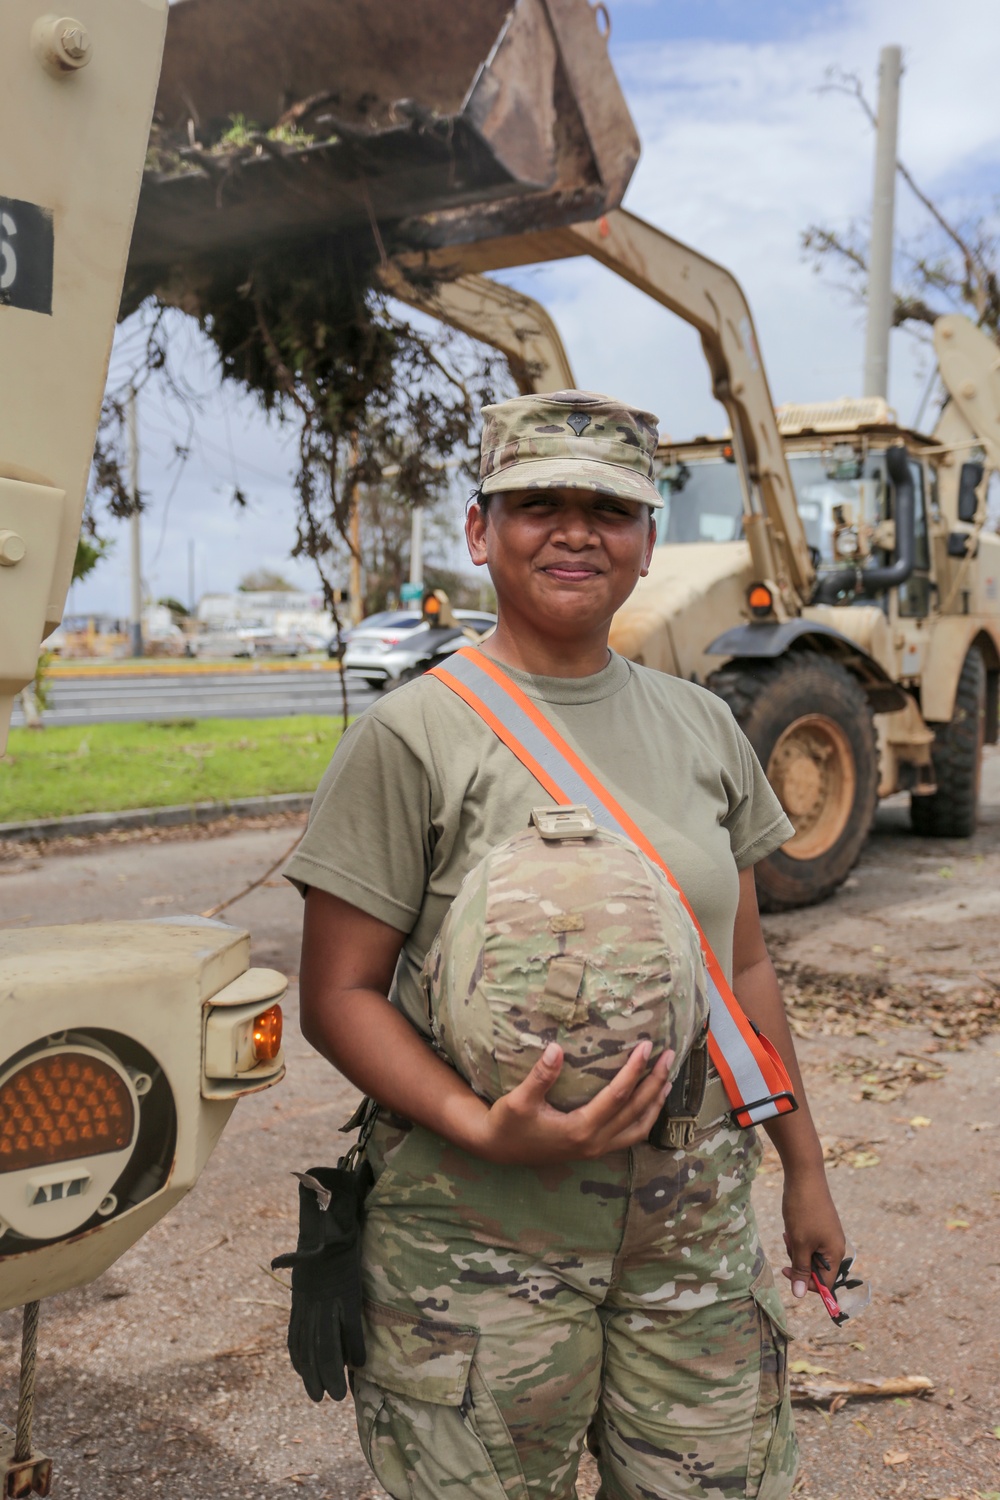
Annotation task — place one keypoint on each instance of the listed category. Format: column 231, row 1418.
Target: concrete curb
column 85, row 824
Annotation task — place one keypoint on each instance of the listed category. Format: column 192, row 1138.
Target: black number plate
column 26, row 252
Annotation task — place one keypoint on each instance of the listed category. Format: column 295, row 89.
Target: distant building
column 283, row 612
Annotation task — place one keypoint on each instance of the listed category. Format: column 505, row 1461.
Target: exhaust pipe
column 866, row 582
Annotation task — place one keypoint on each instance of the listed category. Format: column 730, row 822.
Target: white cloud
column 740, row 153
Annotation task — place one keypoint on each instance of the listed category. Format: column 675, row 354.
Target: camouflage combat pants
column 513, row 1313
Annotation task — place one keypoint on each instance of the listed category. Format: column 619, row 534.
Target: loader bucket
column 422, row 122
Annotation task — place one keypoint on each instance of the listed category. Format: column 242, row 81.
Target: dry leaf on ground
column 852, row 1004
column 857, row 1154
column 885, row 1079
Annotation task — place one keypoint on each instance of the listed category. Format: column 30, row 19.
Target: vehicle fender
column 949, row 645
column 770, row 639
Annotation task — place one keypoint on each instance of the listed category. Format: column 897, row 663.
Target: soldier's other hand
column 523, row 1129
column 812, row 1228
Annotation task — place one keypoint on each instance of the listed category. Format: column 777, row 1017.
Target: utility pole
column 883, row 212
column 133, row 491
column 417, row 547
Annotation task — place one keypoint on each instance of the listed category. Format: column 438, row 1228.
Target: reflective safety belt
column 754, row 1077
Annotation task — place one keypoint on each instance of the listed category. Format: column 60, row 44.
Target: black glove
column 325, row 1330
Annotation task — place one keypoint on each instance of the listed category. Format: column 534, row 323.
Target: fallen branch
column 213, row 911
column 808, row 1388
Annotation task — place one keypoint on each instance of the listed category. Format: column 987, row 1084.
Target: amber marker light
column 267, row 1034
column 760, row 600
column 62, row 1106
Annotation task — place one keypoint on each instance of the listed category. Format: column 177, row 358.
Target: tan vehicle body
column 125, row 1045
column 691, row 615
column 484, row 120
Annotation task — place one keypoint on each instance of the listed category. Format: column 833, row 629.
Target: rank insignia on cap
column 570, row 440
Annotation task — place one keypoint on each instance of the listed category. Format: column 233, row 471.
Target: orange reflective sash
column 754, row 1076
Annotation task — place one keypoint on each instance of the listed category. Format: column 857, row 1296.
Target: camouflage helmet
column 569, row 440
column 576, row 940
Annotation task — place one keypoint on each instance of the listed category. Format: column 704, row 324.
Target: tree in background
column 318, row 342
column 36, row 697
column 951, row 265
column 90, row 550
column 385, row 523
column 265, row 580
column 178, row 611
column 320, row 345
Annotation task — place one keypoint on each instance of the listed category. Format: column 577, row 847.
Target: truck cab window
column 702, row 502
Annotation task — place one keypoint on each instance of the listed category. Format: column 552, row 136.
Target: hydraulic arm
column 710, row 298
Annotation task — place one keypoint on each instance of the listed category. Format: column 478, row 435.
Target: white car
column 251, row 641
column 386, row 647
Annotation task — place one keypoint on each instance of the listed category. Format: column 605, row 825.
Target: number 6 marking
column 8, row 260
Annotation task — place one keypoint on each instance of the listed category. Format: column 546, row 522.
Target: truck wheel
column 951, row 811
column 809, row 722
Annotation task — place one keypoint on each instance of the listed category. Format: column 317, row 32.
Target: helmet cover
column 580, row 941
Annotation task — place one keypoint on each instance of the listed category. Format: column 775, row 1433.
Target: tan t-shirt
column 419, row 789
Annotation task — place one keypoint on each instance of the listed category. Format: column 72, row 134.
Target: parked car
column 388, row 648
column 250, row 641
column 339, row 639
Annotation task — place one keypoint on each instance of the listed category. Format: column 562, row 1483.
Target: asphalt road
column 168, row 1376
column 223, row 695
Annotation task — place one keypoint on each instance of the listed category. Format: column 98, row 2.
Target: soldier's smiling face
column 562, row 560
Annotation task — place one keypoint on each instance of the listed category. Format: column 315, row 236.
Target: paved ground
column 169, row 1374
column 255, row 693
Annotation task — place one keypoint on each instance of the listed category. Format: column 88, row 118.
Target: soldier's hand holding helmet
column 565, row 984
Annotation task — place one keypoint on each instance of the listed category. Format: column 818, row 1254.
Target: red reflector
column 95, row 1113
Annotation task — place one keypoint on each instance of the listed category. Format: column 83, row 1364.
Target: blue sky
column 641, row 22
column 741, row 151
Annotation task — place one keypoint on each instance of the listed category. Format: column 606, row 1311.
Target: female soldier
column 535, row 1276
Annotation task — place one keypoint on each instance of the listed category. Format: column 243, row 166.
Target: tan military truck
column 125, row 1046
column 903, row 570
column 829, row 571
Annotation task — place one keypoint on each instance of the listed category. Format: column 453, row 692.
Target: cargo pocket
column 427, row 1423
column 773, row 1449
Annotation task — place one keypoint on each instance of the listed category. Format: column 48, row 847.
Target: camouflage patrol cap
column 581, row 942
column 569, row 440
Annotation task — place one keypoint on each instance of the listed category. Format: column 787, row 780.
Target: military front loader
column 826, row 571
column 903, row 573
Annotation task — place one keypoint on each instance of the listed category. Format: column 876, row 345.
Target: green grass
column 52, row 773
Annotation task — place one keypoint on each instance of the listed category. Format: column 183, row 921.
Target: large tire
column 809, row 721
column 952, row 811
